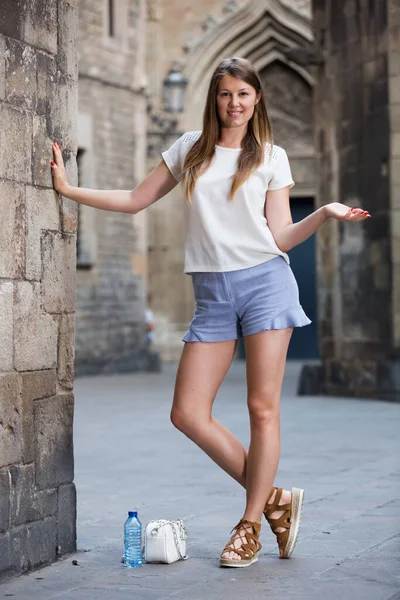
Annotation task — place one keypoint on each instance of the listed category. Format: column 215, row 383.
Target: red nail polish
column 52, row 163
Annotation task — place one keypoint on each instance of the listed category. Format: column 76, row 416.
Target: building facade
column 357, row 108
column 112, row 247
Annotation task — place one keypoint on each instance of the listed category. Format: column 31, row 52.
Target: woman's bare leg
column 265, row 365
column 201, row 371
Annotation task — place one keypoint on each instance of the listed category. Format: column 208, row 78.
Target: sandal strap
column 252, row 546
column 283, row 521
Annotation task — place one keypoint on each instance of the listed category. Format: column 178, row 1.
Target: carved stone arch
column 260, row 32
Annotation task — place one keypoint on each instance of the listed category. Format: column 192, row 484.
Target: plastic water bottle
column 133, row 541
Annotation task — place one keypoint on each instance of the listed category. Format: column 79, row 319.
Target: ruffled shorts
column 233, row 304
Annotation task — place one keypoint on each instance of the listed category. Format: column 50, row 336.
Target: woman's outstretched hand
column 345, row 213
column 58, row 170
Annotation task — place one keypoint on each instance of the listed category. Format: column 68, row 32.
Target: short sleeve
column 281, row 173
column 175, row 156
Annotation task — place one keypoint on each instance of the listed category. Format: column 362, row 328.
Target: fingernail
column 52, row 163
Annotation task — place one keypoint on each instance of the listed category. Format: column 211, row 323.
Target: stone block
column 66, row 522
column 45, row 74
column 42, row 212
column 35, row 385
column 58, row 272
column 66, row 348
column 42, row 153
column 6, row 326
column 4, row 555
column 10, row 419
column 63, row 113
column 12, row 239
column 31, row 21
column 53, row 419
column 35, row 333
column 5, row 489
column 20, row 74
column 15, row 144
column 2, row 67
column 28, row 504
column 396, row 144
column 67, row 56
column 33, row 545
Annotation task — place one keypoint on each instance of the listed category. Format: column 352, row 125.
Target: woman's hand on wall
column 58, row 170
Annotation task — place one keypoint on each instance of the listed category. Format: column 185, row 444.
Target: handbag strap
column 182, row 530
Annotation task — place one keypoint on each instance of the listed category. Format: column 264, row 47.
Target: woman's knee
column 178, row 418
column 188, row 422
column 264, row 407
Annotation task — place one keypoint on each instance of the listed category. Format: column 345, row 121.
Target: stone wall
column 38, row 104
column 110, row 330
column 356, row 166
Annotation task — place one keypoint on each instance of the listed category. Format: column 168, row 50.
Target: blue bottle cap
column 132, row 513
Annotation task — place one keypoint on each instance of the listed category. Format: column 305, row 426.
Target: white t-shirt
column 224, row 234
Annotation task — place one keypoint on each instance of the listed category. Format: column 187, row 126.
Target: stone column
column 357, row 150
column 38, row 104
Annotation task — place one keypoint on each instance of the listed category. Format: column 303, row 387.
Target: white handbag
column 165, row 541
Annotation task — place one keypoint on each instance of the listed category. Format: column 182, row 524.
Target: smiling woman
column 238, row 230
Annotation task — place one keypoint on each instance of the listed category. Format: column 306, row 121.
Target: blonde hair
column 259, row 130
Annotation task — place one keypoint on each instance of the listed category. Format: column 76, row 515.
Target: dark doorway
column 304, row 342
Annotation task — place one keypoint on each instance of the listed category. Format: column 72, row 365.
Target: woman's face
column 236, row 100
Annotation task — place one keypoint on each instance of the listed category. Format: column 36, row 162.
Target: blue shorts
column 234, row 304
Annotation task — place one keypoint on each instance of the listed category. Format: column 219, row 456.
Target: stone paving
column 344, row 452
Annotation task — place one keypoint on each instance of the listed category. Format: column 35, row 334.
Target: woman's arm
column 287, row 234
column 156, row 185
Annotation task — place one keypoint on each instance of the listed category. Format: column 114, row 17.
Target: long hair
column 259, row 130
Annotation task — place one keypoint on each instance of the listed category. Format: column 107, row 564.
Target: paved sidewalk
column 345, row 453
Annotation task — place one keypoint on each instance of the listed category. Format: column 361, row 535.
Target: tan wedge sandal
column 289, row 520
column 249, row 549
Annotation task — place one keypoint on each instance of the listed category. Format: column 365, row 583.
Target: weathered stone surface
column 42, row 153
column 67, row 56
column 10, row 418
column 2, row 67
column 35, row 385
column 43, row 212
column 46, row 73
column 63, row 113
column 58, row 272
column 66, row 522
column 15, row 144
column 31, row 21
column 27, row 504
column 33, row 544
column 12, row 239
column 53, row 436
column 20, row 74
column 6, row 326
column 35, row 333
column 66, row 351
column 4, row 555
column 5, row 487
